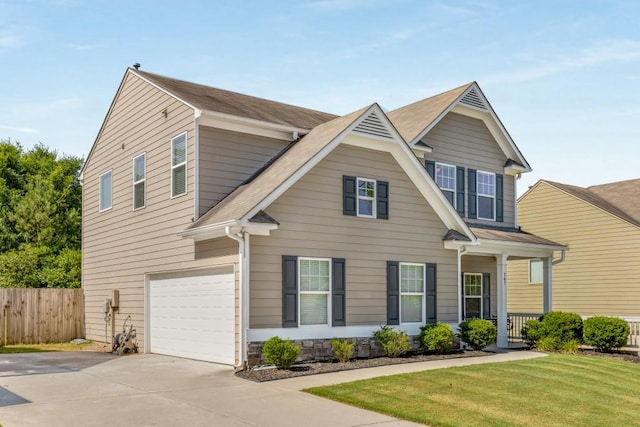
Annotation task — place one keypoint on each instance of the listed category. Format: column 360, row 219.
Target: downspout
column 561, row 259
column 196, row 161
column 243, row 242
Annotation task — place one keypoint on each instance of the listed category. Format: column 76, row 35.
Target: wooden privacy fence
column 33, row 316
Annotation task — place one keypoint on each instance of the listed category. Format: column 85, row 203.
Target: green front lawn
column 558, row 390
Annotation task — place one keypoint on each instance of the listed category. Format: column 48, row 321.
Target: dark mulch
column 632, row 357
column 261, row 374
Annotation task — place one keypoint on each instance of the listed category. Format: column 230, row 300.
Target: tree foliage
column 40, row 217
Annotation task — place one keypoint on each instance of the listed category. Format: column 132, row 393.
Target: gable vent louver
column 473, row 99
column 372, row 125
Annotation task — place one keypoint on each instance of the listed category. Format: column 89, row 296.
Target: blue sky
column 563, row 76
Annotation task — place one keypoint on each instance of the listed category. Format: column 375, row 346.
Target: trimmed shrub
column 436, row 338
column 393, row 343
column 342, row 349
column 605, row 333
column 554, row 331
column 280, row 352
column 478, row 333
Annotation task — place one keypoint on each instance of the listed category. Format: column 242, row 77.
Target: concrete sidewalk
column 97, row 389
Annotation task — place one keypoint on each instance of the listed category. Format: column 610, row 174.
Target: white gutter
column 461, row 251
column 242, row 238
column 561, row 259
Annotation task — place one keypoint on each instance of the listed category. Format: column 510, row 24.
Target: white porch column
column 547, row 298
column 503, row 333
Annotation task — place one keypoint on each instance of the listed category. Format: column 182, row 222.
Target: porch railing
column 515, row 322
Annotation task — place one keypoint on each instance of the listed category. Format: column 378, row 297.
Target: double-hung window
column 105, row 191
column 535, row 271
column 366, row 197
column 315, row 288
column 446, row 180
column 139, row 181
column 179, row 165
column 412, row 284
column 486, row 195
column 473, row 295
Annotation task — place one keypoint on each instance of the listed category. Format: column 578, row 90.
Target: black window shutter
column 430, row 296
column 431, row 168
column 486, row 295
column 460, row 190
column 471, row 188
column 337, row 292
column 289, row 291
column 393, row 293
column 464, row 315
column 349, row 195
column 499, row 198
column 382, row 199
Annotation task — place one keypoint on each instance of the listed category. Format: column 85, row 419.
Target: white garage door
column 193, row 316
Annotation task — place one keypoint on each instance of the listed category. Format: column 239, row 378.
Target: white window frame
column 142, row 181
column 455, row 178
column 480, row 297
column 100, row 190
column 327, row 293
column 174, row 167
column 491, row 196
column 423, row 293
column 367, row 198
column 531, row 282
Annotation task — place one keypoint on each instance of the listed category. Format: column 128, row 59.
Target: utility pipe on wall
column 242, row 238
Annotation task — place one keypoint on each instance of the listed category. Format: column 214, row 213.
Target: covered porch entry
column 483, row 274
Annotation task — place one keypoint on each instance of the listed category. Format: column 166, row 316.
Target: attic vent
column 372, row 125
column 473, row 99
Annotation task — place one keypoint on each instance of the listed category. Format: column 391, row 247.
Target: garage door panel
column 193, row 317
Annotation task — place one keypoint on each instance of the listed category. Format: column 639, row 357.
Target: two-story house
column 217, row 220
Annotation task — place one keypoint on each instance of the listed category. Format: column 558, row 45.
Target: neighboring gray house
column 217, row 220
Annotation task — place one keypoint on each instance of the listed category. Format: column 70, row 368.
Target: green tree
column 40, row 217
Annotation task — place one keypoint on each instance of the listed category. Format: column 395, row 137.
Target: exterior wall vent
column 372, row 125
column 473, row 99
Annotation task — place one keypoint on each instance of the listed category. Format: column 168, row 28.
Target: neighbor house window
column 486, row 195
column 179, row 165
column 139, row 180
column 315, row 287
column 535, row 271
column 446, row 180
column 473, row 295
column 412, row 279
column 367, row 197
column 105, row 191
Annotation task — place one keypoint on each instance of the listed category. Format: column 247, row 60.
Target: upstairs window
column 446, row 180
column 179, row 165
column 139, row 180
column 486, row 195
column 365, row 197
column 105, row 191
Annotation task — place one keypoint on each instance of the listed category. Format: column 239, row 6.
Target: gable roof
column 415, row 120
column 618, row 198
column 223, row 101
column 256, row 194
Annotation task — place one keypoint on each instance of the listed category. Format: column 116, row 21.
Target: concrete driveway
column 99, row 389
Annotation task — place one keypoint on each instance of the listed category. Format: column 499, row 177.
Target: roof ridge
column 466, row 85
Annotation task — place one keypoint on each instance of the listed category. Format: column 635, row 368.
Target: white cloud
column 8, row 42
column 18, row 129
column 598, row 54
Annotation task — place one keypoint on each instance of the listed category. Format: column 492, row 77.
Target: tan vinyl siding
column 602, row 267
column 312, row 225
column 483, row 264
column 464, row 141
column 121, row 245
column 227, row 159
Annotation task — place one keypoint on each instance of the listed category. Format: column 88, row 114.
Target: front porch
column 483, row 276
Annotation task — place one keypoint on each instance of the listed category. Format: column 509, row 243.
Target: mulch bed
column 261, row 374
column 632, row 357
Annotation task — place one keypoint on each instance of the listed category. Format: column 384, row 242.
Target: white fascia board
column 207, row 231
column 525, row 250
column 515, row 170
column 250, row 126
